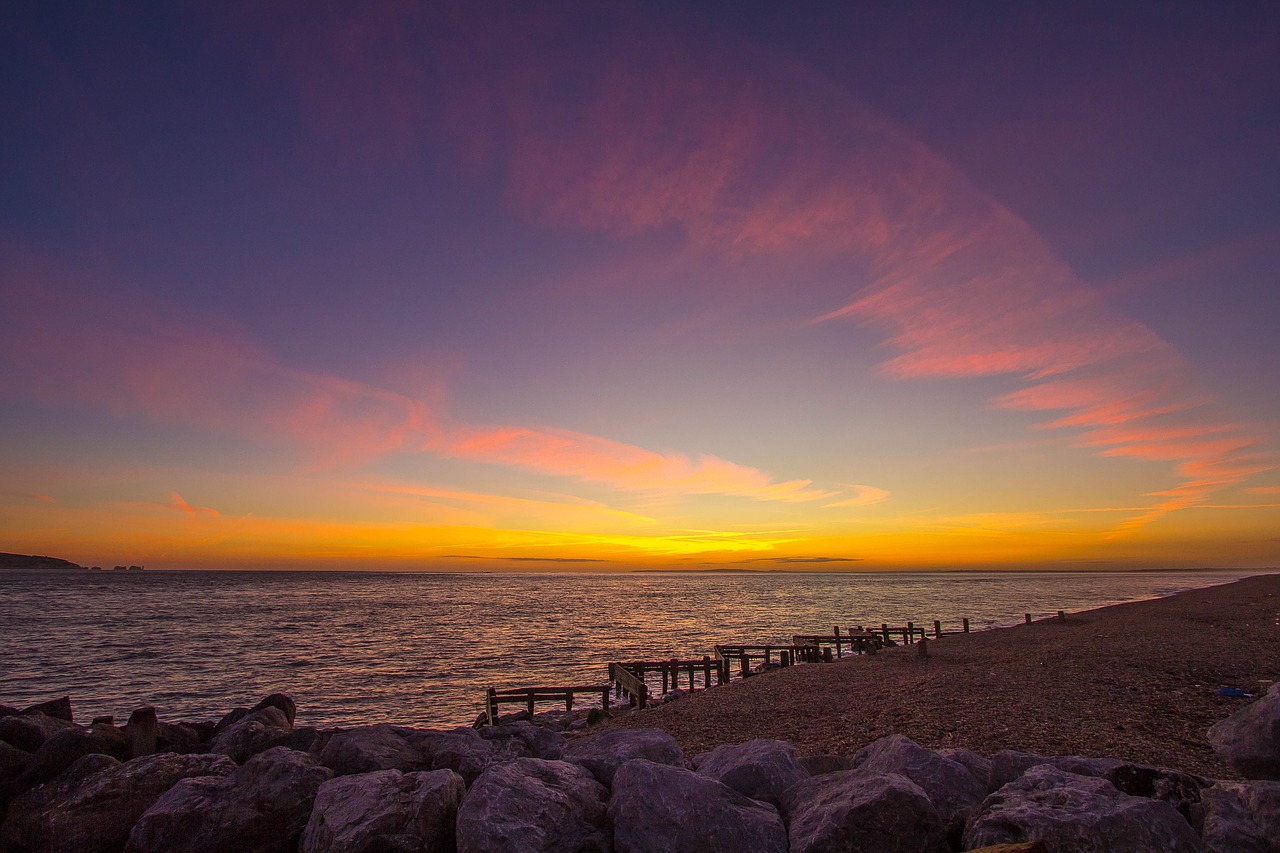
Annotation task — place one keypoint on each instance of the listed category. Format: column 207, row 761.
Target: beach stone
column 254, row 733
column 1008, row 764
column 853, row 810
column 978, row 766
column 952, row 789
column 816, row 765
column 29, row 731
column 66, row 747
column 230, row 718
column 605, row 752
column 281, row 701
column 1249, row 740
column 530, row 804
column 658, row 807
column 1240, row 817
column 370, row 748
column 531, row 741
column 1178, row 789
column 1081, row 814
column 59, row 709
column 761, row 769
column 16, row 802
column 96, row 814
column 260, row 807
column 385, row 811
column 464, row 751
column 178, row 737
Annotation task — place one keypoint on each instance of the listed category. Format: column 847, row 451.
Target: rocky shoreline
column 252, row 781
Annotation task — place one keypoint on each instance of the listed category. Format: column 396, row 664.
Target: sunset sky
column 550, row 286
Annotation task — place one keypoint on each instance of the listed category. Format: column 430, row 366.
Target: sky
column 486, row 286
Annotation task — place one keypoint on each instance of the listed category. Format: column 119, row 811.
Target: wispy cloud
column 30, row 496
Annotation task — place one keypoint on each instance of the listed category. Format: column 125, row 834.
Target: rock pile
column 255, row 782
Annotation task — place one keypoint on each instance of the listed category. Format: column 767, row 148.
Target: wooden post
column 826, row 655
column 966, row 624
column 937, row 629
column 836, row 629
column 1062, row 617
column 923, row 647
column 911, row 633
column 746, row 664
column 568, row 700
column 706, row 672
column 529, row 694
column 140, row 732
column 604, row 699
column 884, row 628
column 1028, row 618
column 491, row 705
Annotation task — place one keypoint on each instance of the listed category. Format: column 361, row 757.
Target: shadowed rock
column 463, row 751
column 1080, row 814
column 281, row 701
column 1240, row 817
column 761, row 769
column 96, row 814
column 658, row 807
column 530, row 804
column 261, row 807
column 952, row 789
column 385, row 811
column 370, row 748
column 1249, row 740
column 978, row 766
column 1008, row 764
column 29, row 731
column 604, row 753
column 854, row 810
column 258, row 731
column 59, row 709
column 532, row 741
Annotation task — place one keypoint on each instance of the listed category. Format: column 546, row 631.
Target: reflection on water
column 417, row 649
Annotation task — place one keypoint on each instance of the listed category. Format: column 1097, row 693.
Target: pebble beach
column 1139, row 681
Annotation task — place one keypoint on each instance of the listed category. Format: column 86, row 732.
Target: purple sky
column 405, row 285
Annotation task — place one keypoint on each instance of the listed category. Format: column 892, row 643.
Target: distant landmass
column 32, row 561
column 26, row 561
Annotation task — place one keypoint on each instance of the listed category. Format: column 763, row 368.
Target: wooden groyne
column 633, row 682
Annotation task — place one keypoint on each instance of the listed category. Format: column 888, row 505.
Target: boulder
column 260, row 807
column 1077, row 813
column 370, row 748
column 1240, row 817
column 13, row 762
column 530, row 804
column 854, row 810
column 761, row 769
column 952, row 789
column 1248, row 740
column 281, row 701
column 254, row 733
column 34, row 801
column 7, row 710
column 1178, row 789
column 96, row 814
column 28, row 731
column 658, row 807
column 65, row 747
column 531, row 741
column 59, row 709
column 978, row 766
column 605, row 752
column 464, row 751
column 385, row 811
column 178, row 737
column 1009, row 764
column 816, row 765
column 230, row 718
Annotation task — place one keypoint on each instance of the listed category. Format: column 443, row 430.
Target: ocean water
column 419, row 649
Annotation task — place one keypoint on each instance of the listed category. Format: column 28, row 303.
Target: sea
column 354, row 648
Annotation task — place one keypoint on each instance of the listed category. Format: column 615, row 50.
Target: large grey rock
column 464, row 751
column 66, row 747
column 1081, row 814
column 658, row 807
column 978, row 766
column 13, row 762
column 1249, row 740
column 261, row 807
column 1178, row 789
column 761, row 769
column 385, row 812
column 282, row 702
column 95, row 814
column 531, row 741
column 1008, row 764
column 256, row 732
column 530, row 804
column 605, row 752
column 58, row 708
column 29, row 731
column 861, row 812
column 1240, row 817
column 952, row 789
column 34, row 801
column 370, row 748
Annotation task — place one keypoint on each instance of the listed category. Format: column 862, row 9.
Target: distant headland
column 31, row 561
